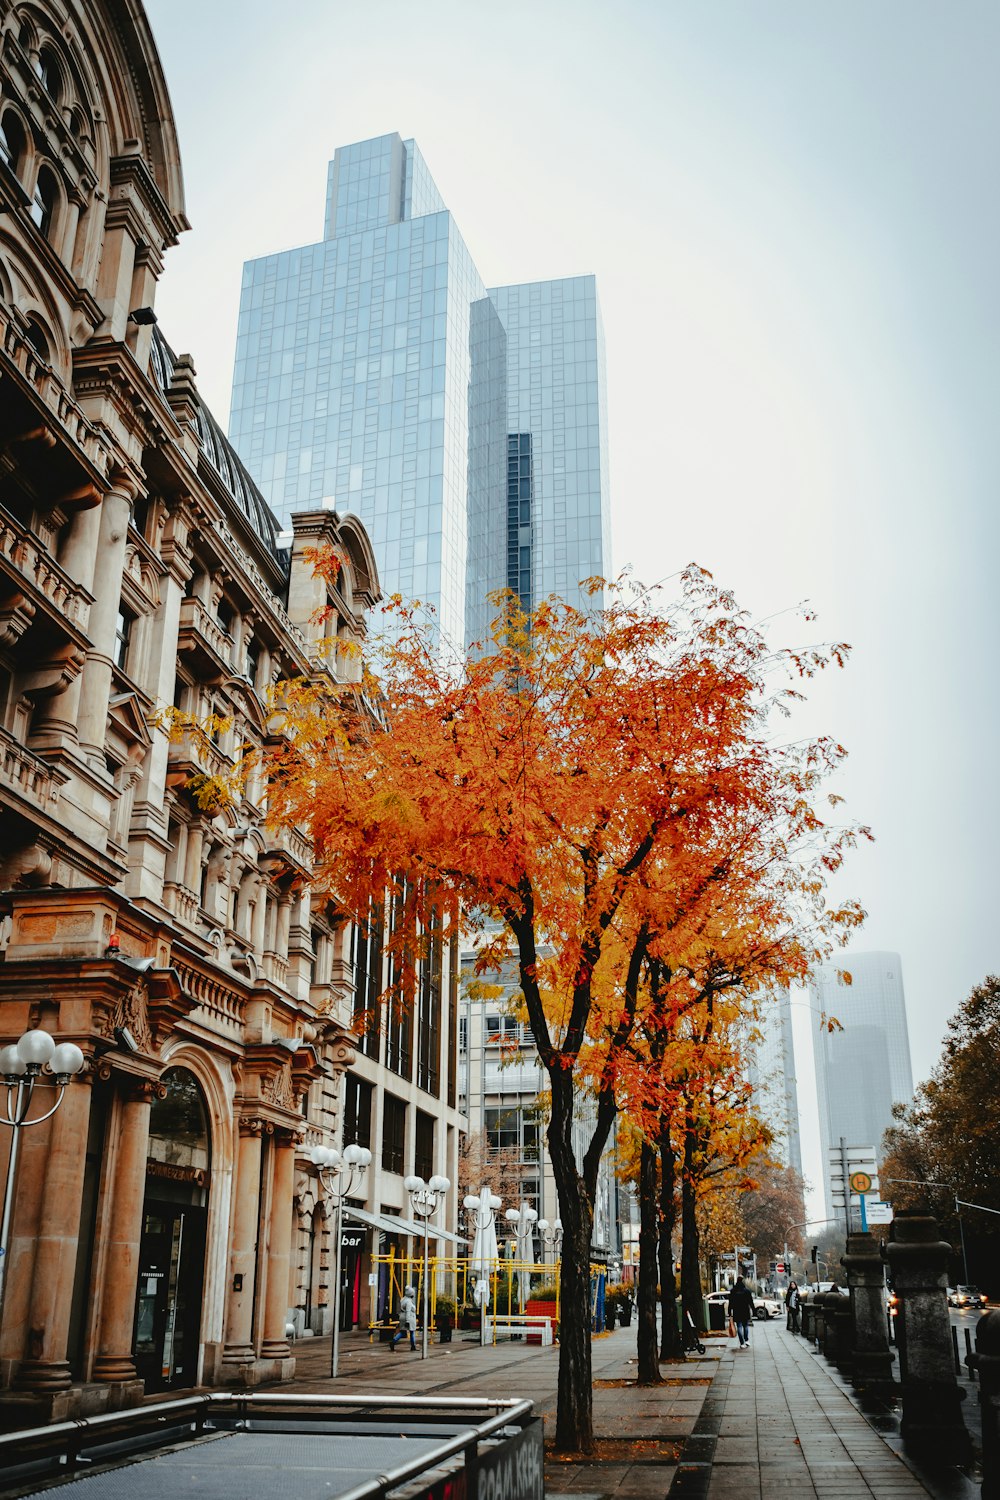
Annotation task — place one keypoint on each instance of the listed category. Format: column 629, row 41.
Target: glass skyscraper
column 864, row 1069
column 376, row 374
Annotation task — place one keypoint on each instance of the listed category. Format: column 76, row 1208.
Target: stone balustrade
column 69, row 418
column 31, row 778
column 40, row 576
column 200, row 634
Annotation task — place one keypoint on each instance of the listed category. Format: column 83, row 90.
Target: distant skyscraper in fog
column 864, row 1069
column 772, row 1074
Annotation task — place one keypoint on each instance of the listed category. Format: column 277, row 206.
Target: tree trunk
column 649, row 1365
column 691, row 1298
column 671, row 1345
column 574, row 1408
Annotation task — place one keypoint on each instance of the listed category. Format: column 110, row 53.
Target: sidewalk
column 776, row 1422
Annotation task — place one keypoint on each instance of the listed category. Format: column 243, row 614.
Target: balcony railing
column 200, row 635
column 39, row 576
column 28, row 776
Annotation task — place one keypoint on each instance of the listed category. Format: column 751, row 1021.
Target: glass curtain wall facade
column 375, row 374
column 864, row 1069
column 557, row 411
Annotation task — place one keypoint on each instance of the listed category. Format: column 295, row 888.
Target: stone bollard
column 932, row 1399
column 986, row 1363
column 870, row 1359
column 808, row 1319
column 844, row 1317
column 830, row 1301
column 819, row 1318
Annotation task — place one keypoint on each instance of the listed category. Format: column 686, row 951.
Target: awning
column 394, row 1225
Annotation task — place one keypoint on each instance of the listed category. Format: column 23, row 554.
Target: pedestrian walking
column 407, row 1319
column 793, row 1304
column 741, row 1310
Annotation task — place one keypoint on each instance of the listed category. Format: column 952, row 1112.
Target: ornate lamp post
column 552, row 1235
column 21, row 1064
column 524, row 1220
column 340, row 1176
column 483, row 1213
column 424, row 1200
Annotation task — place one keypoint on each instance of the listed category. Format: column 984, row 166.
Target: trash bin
column 717, row 1317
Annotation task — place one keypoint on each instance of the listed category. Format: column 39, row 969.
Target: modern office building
column 375, row 374
column 863, row 1069
column 772, row 1074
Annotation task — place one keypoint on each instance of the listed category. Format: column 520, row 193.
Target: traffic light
column 815, row 1252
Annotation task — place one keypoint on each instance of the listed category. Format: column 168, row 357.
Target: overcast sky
column 793, row 217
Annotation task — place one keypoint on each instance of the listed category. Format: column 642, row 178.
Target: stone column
column 871, row 1360
column 275, row 1345
column 56, row 719
column 808, row 1319
column 986, row 1363
column 116, row 508
column 116, row 1320
column 239, row 1348
column 45, row 1369
column 932, row 1412
column 844, row 1321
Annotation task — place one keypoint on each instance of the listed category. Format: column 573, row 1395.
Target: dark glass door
column 168, row 1312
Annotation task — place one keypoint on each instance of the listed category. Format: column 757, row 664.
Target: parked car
column 968, row 1296
column 763, row 1307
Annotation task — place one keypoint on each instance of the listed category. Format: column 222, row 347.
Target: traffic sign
column 860, row 1182
column 879, row 1213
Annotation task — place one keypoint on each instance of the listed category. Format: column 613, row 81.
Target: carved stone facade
column 167, row 1226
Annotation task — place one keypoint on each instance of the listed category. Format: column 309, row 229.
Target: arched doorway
column 172, row 1252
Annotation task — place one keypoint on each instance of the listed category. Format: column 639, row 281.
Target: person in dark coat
column 793, row 1303
column 741, row 1310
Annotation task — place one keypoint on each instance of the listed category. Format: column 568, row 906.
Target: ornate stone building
column 167, row 1227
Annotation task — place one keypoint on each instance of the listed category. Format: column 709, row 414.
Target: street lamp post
column 552, row 1235
column 21, row 1065
column 483, row 1211
column 424, row 1200
column 340, row 1176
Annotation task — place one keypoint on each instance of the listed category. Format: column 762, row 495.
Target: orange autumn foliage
column 586, row 777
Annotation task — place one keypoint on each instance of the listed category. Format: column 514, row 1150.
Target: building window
column 12, row 142
column 503, row 1129
column 453, row 969
column 44, row 201
column 429, row 1011
column 366, row 957
column 399, row 1013
column 393, row 1134
column 423, row 1146
column 123, row 637
column 520, row 493
column 357, row 1111
column 48, row 73
column 38, row 340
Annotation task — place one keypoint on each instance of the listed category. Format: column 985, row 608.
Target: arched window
column 48, row 72
column 44, row 201
column 38, row 339
column 12, row 142
column 178, row 1127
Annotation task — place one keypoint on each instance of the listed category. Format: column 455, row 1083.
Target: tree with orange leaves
column 533, row 786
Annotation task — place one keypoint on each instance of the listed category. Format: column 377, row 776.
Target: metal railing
column 62, row 1448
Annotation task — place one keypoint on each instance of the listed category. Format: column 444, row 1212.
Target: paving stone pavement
column 775, row 1423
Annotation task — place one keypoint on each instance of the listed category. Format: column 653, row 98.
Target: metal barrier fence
column 104, row 1443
